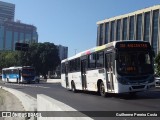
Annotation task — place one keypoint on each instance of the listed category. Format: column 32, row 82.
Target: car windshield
column 134, row 63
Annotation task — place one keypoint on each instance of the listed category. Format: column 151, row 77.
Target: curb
column 29, row 103
column 43, row 103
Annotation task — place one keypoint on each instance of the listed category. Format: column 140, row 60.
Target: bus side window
column 100, row 60
column 92, row 61
column 66, row 69
column 78, row 64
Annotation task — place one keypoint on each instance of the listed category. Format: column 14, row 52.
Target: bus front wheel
column 102, row 89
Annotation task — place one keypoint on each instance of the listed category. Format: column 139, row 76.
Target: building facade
column 7, row 11
column 12, row 32
column 63, row 52
column 142, row 24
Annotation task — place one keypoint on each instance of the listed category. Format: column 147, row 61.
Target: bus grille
column 138, row 78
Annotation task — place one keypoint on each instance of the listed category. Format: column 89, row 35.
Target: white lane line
column 26, row 85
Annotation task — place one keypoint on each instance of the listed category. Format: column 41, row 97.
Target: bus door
column 109, row 72
column 66, row 75
column 83, row 73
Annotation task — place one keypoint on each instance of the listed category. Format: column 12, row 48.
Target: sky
column 72, row 23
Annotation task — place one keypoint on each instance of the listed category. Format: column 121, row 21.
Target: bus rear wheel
column 102, row 90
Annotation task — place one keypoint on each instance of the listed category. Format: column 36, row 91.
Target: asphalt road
column 91, row 101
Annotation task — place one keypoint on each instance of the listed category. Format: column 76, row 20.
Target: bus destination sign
column 133, row 46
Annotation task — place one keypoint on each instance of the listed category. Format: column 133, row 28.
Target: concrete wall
column 29, row 103
column 47, row 106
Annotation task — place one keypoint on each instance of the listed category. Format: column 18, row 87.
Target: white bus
column 25, row 74
column 116, row 67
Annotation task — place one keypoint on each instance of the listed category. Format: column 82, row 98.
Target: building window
column 98, row 34
column 1, row 37
column 101, row 35
column 106, row 32
column 124, row 29
column 118, row 29
column 146, row 26
column 155, row 30
column 15, row 38
column 112, row 31
column 8, row 44
column 139, row 27
column 34, row 37
column 28, row 38
column 21, row 38
column 131, row 28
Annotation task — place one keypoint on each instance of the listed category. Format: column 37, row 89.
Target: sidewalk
column 53, row 81
column 8, row 102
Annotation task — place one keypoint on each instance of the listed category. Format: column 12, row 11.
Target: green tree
column 8, row 59
column 43, row 56
column 157, row 61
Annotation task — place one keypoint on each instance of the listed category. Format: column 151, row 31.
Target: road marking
column 27, row 85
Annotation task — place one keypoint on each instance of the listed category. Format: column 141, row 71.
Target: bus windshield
column 28, row 72
column 134, row 63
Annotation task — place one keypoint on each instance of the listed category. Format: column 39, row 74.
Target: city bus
column 25, row 74
column 116, row 67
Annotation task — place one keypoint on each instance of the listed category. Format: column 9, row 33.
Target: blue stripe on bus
column 12, row 76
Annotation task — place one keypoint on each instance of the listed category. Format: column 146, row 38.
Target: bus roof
column 99, row 48
column 17, row 67
column 12, row 68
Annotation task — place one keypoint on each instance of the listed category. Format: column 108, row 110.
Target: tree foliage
column 157, row 61
column 43, row 56
column 8, row 59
